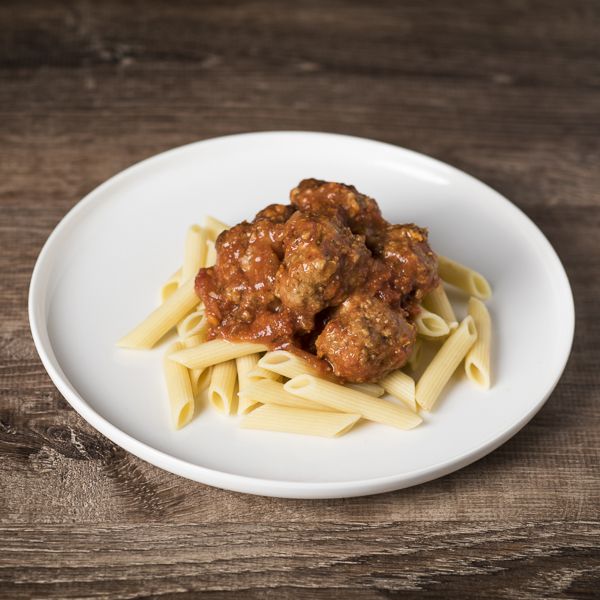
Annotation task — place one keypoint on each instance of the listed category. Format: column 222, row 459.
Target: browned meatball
column 239, row 288
column 411, row 262
column 365, row 339
column 276, row 213
column 323, row 263
column 359, row 212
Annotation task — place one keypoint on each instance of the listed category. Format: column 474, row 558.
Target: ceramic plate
column 100, row 271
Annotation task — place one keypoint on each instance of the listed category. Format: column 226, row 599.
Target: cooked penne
column 401, row 386
column 430, row 325
column 287, row 364
column 163, row 319
column 343, row 399
column 245, row 365
column 214, row 352
column 259, row 373
column 199, row 378
column 272, row 417
column 464, row 278
column 444, row 363
column 214, row 227
column 372, row 389
column 195, row 324
column 170, row 286
column 477, row 362
column 437, row 302
column 222, row 385
column 271, row 392
column 416, row 354
column 194, row 254
column 179, row 390
column 211, row 254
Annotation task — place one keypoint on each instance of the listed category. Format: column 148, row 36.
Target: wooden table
column 508, row 91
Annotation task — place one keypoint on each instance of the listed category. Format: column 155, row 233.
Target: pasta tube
column 401, row 386
column 214, row 227
column 195, row 324
column 345, row 400
column 267, row 391
column 211, row 254
column 437, row 302
column 179, row 390
column 287, row 364
column 245, row 365
column 464, row 278
column 272, row 417
column 222, row 385
column 431, row 325
column 194, row 254
column 477, row 362
column 161, row 320
column 170, row 286
column 416, row 354
column 214, row 352
column 444, row 363
column 372, row 389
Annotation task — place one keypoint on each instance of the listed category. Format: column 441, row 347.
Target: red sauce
column 325, row 276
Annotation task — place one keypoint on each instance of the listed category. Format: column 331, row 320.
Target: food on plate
column 313, row 308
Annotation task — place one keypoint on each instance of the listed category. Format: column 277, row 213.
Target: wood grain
column 509, row 91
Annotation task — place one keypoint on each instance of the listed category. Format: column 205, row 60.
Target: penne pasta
column 372, row 389
column 415, row 357
column 211, row 254
column 477, row 361
column 214, row 352
column 346, row 400
column 444, row 363
column 163, row 319
column 199, row 378
column 214, row 227
column 222, row 385
column 287, row 364
column 430, row 325
column 170, row 286
column 195, row 324
column 401, row 386
column 271, row 392
column 272, row 417
column 179, row 390
column 437, row 302
column 194, row 254
column 259, row 373
column 245, row 365
column 464, row 278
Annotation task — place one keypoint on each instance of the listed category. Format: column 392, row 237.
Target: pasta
column 222, row 385
column 194, row 324
column 477, row 362
column 401, row 386
column 194, row 253
column 214, row 227
column 163, row 319
column 415, row 358
column 259, row 373
column 179, row 390
column 372, row 389
column 437, row 302
column 271, row 392
column 444, row 363
column 287, row 364
column 170, row 286
column 346, row 400
column 430, row 325
column 464, row 278
column 214, row 352
column 272, row 417
column 211, row 254
column 245, row 365
column 199, row 378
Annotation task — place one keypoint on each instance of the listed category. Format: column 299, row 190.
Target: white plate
column 101, row 269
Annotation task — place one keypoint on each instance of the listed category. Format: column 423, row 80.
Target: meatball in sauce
column 325, row 276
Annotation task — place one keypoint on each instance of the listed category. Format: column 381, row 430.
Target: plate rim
column 279, row 487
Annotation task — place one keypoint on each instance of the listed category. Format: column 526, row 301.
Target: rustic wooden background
column 507, row 90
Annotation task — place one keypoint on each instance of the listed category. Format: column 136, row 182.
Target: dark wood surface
column 508, row 91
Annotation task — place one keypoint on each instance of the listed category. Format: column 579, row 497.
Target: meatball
column 276, row 213
column 365, row 339
column 323, row 263
column 240, row 287
column 411, row 263
column 337, row 200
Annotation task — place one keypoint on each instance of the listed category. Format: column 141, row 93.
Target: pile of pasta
column 280, row 391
